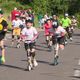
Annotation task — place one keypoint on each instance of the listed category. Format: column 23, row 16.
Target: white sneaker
column 29, row 67
column 18, row 45
column 35, row 63
column 66, row 42
column 71, row 39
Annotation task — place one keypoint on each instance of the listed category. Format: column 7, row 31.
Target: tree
column 40, row 6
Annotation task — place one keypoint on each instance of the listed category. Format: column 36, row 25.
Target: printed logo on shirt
column 1, row 27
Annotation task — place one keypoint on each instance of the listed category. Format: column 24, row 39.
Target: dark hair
column 48, row 20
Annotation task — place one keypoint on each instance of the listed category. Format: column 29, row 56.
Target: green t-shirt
column 65, row 22
column 40, row 17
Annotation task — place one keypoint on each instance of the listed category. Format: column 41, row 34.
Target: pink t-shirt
column 47, row 27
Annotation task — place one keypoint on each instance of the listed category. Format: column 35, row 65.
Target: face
column 48, row 21
column 28, row 24
column 54, row 17
column 17, row 18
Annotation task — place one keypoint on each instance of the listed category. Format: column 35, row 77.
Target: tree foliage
column 50, row 6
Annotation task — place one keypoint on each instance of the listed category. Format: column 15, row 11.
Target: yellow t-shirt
column 1, row 26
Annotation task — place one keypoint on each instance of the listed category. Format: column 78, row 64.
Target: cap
column 29, row 21
column 66, row 14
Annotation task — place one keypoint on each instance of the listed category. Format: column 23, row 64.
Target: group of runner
column 57, row 32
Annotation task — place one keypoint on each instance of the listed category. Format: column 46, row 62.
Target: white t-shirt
column 29, row 33
column 16, row 23
column 58, row 31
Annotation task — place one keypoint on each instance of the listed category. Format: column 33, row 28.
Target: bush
column 7, row 7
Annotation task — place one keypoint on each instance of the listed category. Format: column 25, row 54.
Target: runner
column 58, row 40
column 16, row 24
column 74, row 22
column 14, row 13
column 47, row 27
column 3, row 30
column 29, row 34
column 66, row 23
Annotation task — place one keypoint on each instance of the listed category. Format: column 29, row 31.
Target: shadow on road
column 11, row 66
column 44, row 62
column 9, row 46
column 39, row 61
column 77, row 34
column 39, row 49
column 75, row 77
column 41, row 46
column 75, row 43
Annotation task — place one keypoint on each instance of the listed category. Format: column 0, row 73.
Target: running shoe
column 35, row 63
column 3, row 60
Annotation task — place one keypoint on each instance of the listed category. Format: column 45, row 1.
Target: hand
column 5, row 30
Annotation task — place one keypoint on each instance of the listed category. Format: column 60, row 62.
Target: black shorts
column 30, row 45
column 59, row 40
column 2, row 36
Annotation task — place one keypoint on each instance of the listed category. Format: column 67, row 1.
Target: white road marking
column 79, row 62
column 77, row 73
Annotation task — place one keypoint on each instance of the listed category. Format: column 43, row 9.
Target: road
column 14, row 68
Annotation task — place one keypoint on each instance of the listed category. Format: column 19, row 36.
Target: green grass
column 36, row 22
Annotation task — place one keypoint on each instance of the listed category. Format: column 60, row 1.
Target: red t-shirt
column 14, row 13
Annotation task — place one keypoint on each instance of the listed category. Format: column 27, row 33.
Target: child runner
column 58, row 40
column 16, row 30
column 29, row 34
column 47, row 27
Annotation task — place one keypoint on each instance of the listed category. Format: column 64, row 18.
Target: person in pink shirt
column 47, row 27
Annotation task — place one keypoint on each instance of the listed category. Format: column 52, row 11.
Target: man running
column 3, row 30
column 66, row 23
column 58, row 40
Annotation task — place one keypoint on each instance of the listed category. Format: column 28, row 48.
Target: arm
column 4, row 23
column 23, row 36
column 35, row 34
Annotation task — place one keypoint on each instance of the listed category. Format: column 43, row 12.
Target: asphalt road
column 16, row 61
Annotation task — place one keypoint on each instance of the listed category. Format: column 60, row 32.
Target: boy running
column 16, row 30
column 29, row 34
column 58, row 40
